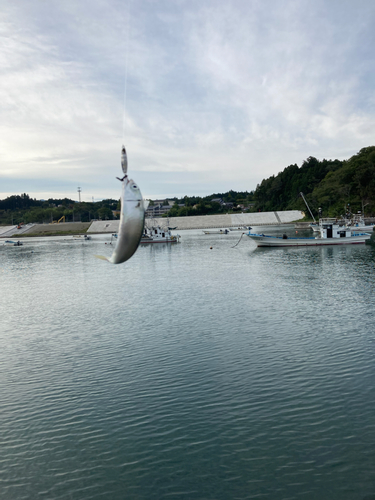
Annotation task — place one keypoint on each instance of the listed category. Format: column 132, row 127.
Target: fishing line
column 126, row 68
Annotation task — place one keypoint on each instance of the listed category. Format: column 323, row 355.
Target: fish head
column 132, row 191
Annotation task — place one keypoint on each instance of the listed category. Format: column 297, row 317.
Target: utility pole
column 79, row 194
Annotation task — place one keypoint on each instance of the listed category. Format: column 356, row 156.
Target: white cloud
column 221, row 93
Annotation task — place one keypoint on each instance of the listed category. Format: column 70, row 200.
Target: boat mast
column 308, row 207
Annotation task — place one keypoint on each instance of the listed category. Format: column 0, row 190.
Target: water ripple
column 187, row 373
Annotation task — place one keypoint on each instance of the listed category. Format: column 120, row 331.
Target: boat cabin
column 330, row 228
column 157, row 234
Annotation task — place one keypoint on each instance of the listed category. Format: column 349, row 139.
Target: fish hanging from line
column 132, row 218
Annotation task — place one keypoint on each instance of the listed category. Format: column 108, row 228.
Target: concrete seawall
column 180, row 223
column 209, row 221
column 69, row 227
column 45, row 229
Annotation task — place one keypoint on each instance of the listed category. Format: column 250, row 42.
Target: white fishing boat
column 157, row 234
column 217, row 231
column 354, row 223
column 330, row 233
column 357, row 223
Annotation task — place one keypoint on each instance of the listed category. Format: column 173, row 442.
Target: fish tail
column 101, row 257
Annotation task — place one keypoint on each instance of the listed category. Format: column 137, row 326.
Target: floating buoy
column 210, row 248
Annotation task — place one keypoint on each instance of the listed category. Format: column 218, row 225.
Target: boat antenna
column 304, row 199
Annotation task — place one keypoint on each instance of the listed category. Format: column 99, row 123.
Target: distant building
column 246, row 206
column 157, row 210
column 218, row 200
column 228, row 204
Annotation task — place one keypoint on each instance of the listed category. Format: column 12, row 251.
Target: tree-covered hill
column 232, row 201
column 21, row 208
column 331, row 185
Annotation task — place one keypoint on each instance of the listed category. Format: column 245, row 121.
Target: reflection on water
column 194, row 370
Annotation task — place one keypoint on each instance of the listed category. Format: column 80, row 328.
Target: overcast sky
column 206, row 95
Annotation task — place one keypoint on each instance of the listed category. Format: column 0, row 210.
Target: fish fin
column 101, row 257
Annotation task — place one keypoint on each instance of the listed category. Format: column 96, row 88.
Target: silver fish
column 132, row 219
column 124, row 160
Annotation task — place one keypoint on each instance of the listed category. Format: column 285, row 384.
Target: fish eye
column 134, row 186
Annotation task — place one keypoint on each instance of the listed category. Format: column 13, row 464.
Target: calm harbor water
column 187, row 372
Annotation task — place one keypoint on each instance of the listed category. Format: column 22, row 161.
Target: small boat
column 330, row 233
column 81, row 237
column 218, row 231
column 242, row 228
column 156, row 234
column 13, row 243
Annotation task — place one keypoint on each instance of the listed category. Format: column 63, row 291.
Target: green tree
column 105, row 213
